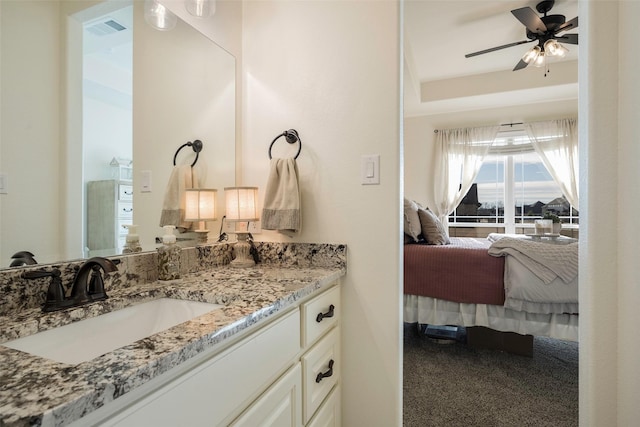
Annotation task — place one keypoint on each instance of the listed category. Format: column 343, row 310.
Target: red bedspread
column 461, row 272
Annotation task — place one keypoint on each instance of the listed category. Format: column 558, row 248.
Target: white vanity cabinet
column 285, row 373
column 321, row 357
column 315, row 383
column 109, row 206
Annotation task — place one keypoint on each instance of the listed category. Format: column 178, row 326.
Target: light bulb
column 532, row 55
column 539, row 61
column 201, row 8
column 553, row 48
column 158, row 16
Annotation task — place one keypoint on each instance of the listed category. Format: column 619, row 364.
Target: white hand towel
column 281, row 209
column 182, row 177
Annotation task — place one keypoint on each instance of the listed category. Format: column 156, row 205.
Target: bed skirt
column 432, row 311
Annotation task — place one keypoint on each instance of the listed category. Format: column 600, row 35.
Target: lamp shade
column 200, row 204
column 201, row 8
column 553, row 48
column 241, row 204
column 532, row 54
column 158, row 16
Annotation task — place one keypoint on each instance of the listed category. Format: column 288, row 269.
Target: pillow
column 433, row 230
column 412, row 226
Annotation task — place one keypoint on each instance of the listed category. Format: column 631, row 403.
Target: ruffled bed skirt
column 433, row 311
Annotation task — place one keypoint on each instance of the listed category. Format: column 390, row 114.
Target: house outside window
column 513, row 189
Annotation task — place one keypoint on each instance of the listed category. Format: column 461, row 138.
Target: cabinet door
column 280, row 406
column 329, row 413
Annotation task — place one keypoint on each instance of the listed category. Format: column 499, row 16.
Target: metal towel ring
column 197, row 148
column 292, row 137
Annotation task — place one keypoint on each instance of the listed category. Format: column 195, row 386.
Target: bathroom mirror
column 182, row 88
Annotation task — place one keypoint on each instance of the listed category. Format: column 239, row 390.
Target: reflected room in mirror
column 94, row 99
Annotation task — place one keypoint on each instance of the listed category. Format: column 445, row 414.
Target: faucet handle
column 55, row 292
column 96, row 284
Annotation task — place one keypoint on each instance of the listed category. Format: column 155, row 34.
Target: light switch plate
column 4, row 183
column 370, row 169
column 145, row 181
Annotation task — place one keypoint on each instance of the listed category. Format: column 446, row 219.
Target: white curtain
column 556, row 142
column 460, row 153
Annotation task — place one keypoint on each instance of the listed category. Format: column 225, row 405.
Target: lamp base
column 203, row 236
column 243, row 252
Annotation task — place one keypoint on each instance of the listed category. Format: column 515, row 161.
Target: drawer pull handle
column 329, row 313
column 327, row 374
column 127, row 210
column 128, row 193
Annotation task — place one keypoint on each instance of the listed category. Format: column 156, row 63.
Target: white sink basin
column 87, row 339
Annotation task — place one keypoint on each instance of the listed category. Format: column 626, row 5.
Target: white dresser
column 109, row 206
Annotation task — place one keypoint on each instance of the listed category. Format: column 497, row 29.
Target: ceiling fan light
column 532, row 55
column 539, row 61
column 553, row 48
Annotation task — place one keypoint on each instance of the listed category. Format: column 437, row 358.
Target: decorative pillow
column 411, row 219
column 433, row 230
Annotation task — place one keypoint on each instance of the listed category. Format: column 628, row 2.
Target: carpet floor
column 449, row 384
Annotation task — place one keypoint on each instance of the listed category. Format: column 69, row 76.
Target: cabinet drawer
column 279, row 406
column 319, row 315
column 125, row 192
column 320, row 372
column 125, row 210
column 329, row 414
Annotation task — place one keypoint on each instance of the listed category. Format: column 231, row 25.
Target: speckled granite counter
column 37, row 391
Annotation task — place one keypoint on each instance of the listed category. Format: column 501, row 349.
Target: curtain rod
column 501, row 124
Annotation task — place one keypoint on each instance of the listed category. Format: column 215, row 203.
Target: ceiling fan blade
column 520, row 65
column 530, row 19
column 569, row 25
column 568, row 38
column 493, row 49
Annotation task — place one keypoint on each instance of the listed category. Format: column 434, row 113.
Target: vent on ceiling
column 104, row 28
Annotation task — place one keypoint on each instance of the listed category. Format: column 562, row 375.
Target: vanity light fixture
column 158, row 16
column 200, row 8
column 241, row 206
column 200, row 205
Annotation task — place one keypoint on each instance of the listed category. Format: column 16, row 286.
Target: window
column 513, row 188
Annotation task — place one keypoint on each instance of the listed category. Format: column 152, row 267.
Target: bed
column 462, row 284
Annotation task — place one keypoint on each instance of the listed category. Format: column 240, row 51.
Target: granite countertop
column 38, row 391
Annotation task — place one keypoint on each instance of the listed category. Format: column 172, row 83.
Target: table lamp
column 241, row 206
column 200, row 206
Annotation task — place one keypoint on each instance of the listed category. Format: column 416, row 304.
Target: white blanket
column 524, row 291
column 544, row 260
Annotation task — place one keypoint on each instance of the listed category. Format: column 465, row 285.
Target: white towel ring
column 292, row 137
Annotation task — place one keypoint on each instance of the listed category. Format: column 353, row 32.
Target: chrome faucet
column 87, row 286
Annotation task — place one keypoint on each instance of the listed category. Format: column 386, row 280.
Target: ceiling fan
column 544, row 30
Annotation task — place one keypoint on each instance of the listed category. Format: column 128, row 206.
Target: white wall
column 30, row 130
column 609, row 271
column 330, row 69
